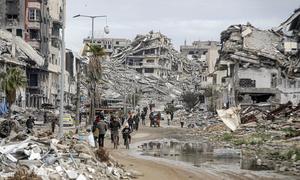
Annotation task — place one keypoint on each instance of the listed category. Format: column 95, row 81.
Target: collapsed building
column 259, row 67
column 110, row 45
column 151, row 54
column 148, row 69
column 14, row 51
column 39, row 23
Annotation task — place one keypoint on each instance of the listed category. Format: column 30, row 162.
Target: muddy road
column 155, row 168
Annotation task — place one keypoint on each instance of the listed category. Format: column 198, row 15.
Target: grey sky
column 178, row 19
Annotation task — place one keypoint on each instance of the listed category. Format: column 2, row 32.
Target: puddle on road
column 195, row 153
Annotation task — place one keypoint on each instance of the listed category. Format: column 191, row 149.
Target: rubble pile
column 25, row 54
column 251, row 47
column 153, row 40
column 195, row 119
column 123, row 79
column 43, row 157
column 268, row 139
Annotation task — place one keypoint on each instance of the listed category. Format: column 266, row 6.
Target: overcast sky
column 178, row 19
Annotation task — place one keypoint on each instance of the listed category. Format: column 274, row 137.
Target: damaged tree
column 94, row 75
column 11, row 81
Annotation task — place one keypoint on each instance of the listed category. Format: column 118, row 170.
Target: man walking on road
column 102, row 127
column 114, row 128
column 136, row 119
column 130, row 120
column 181, row 122
column 143, row 116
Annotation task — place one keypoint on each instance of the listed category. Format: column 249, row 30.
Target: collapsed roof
column 291, row 25
column 150, row 41
column 24, row 52
column 252, row 47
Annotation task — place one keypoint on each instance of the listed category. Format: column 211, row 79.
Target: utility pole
column 78, row 93
column 93, row 86
column 63, row 55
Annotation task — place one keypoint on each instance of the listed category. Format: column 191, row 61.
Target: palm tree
column 11, row 81
column 94, row 74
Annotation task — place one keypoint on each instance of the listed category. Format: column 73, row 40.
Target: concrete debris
column 230, row 117
column 246, row 44
column 259, row 68
column 24, row 52
column 151, row 67
column 44, row 159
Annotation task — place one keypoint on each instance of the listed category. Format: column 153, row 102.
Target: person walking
column 45, row 117
column 114, row 129
column 136, row 121
column 95, row 130
column 102, row 127
column 181, row 122
column 168, row 118
column 29, row 124
column 130, row 120
column 158, row 118
column 143, row 116
column 54, row 121
column 151, row 117
column 126, row 135
column 145, row 110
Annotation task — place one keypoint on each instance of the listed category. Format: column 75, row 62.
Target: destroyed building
column 110, row 45
column 151, row 55
column 14, row 51
column 148, row 69
column 259, row 67
column 206, row 54
column 12, row 16
column 39, row 24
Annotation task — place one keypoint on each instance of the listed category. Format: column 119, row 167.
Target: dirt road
column 159, row 170
column 156, row 169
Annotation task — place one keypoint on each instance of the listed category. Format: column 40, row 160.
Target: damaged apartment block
column 260, row 67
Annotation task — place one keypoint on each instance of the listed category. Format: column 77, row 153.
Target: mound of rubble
column 252, row 47
column 43, row 157
column 123, row 78
column 23, row 52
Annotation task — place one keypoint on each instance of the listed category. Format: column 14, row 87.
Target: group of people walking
column 126, row 124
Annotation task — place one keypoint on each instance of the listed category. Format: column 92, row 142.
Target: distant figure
column 45, row 117
column 145, row 109
column 143, row 116
column 130, row 120
column 114, row 128
column 158, row 118
column 126, row 134
column 169, row 118
column 102, row 127
column 53, row 123
column 29, row 124
column 122, row 120
column 181, row 122
column 150, row 107
column 95, row 129
column 136, row 119
column 151, row 117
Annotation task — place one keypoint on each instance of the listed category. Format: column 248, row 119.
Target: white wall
column 212, row 56
column 262, row 76
column 290, row 92
column 54, row 8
